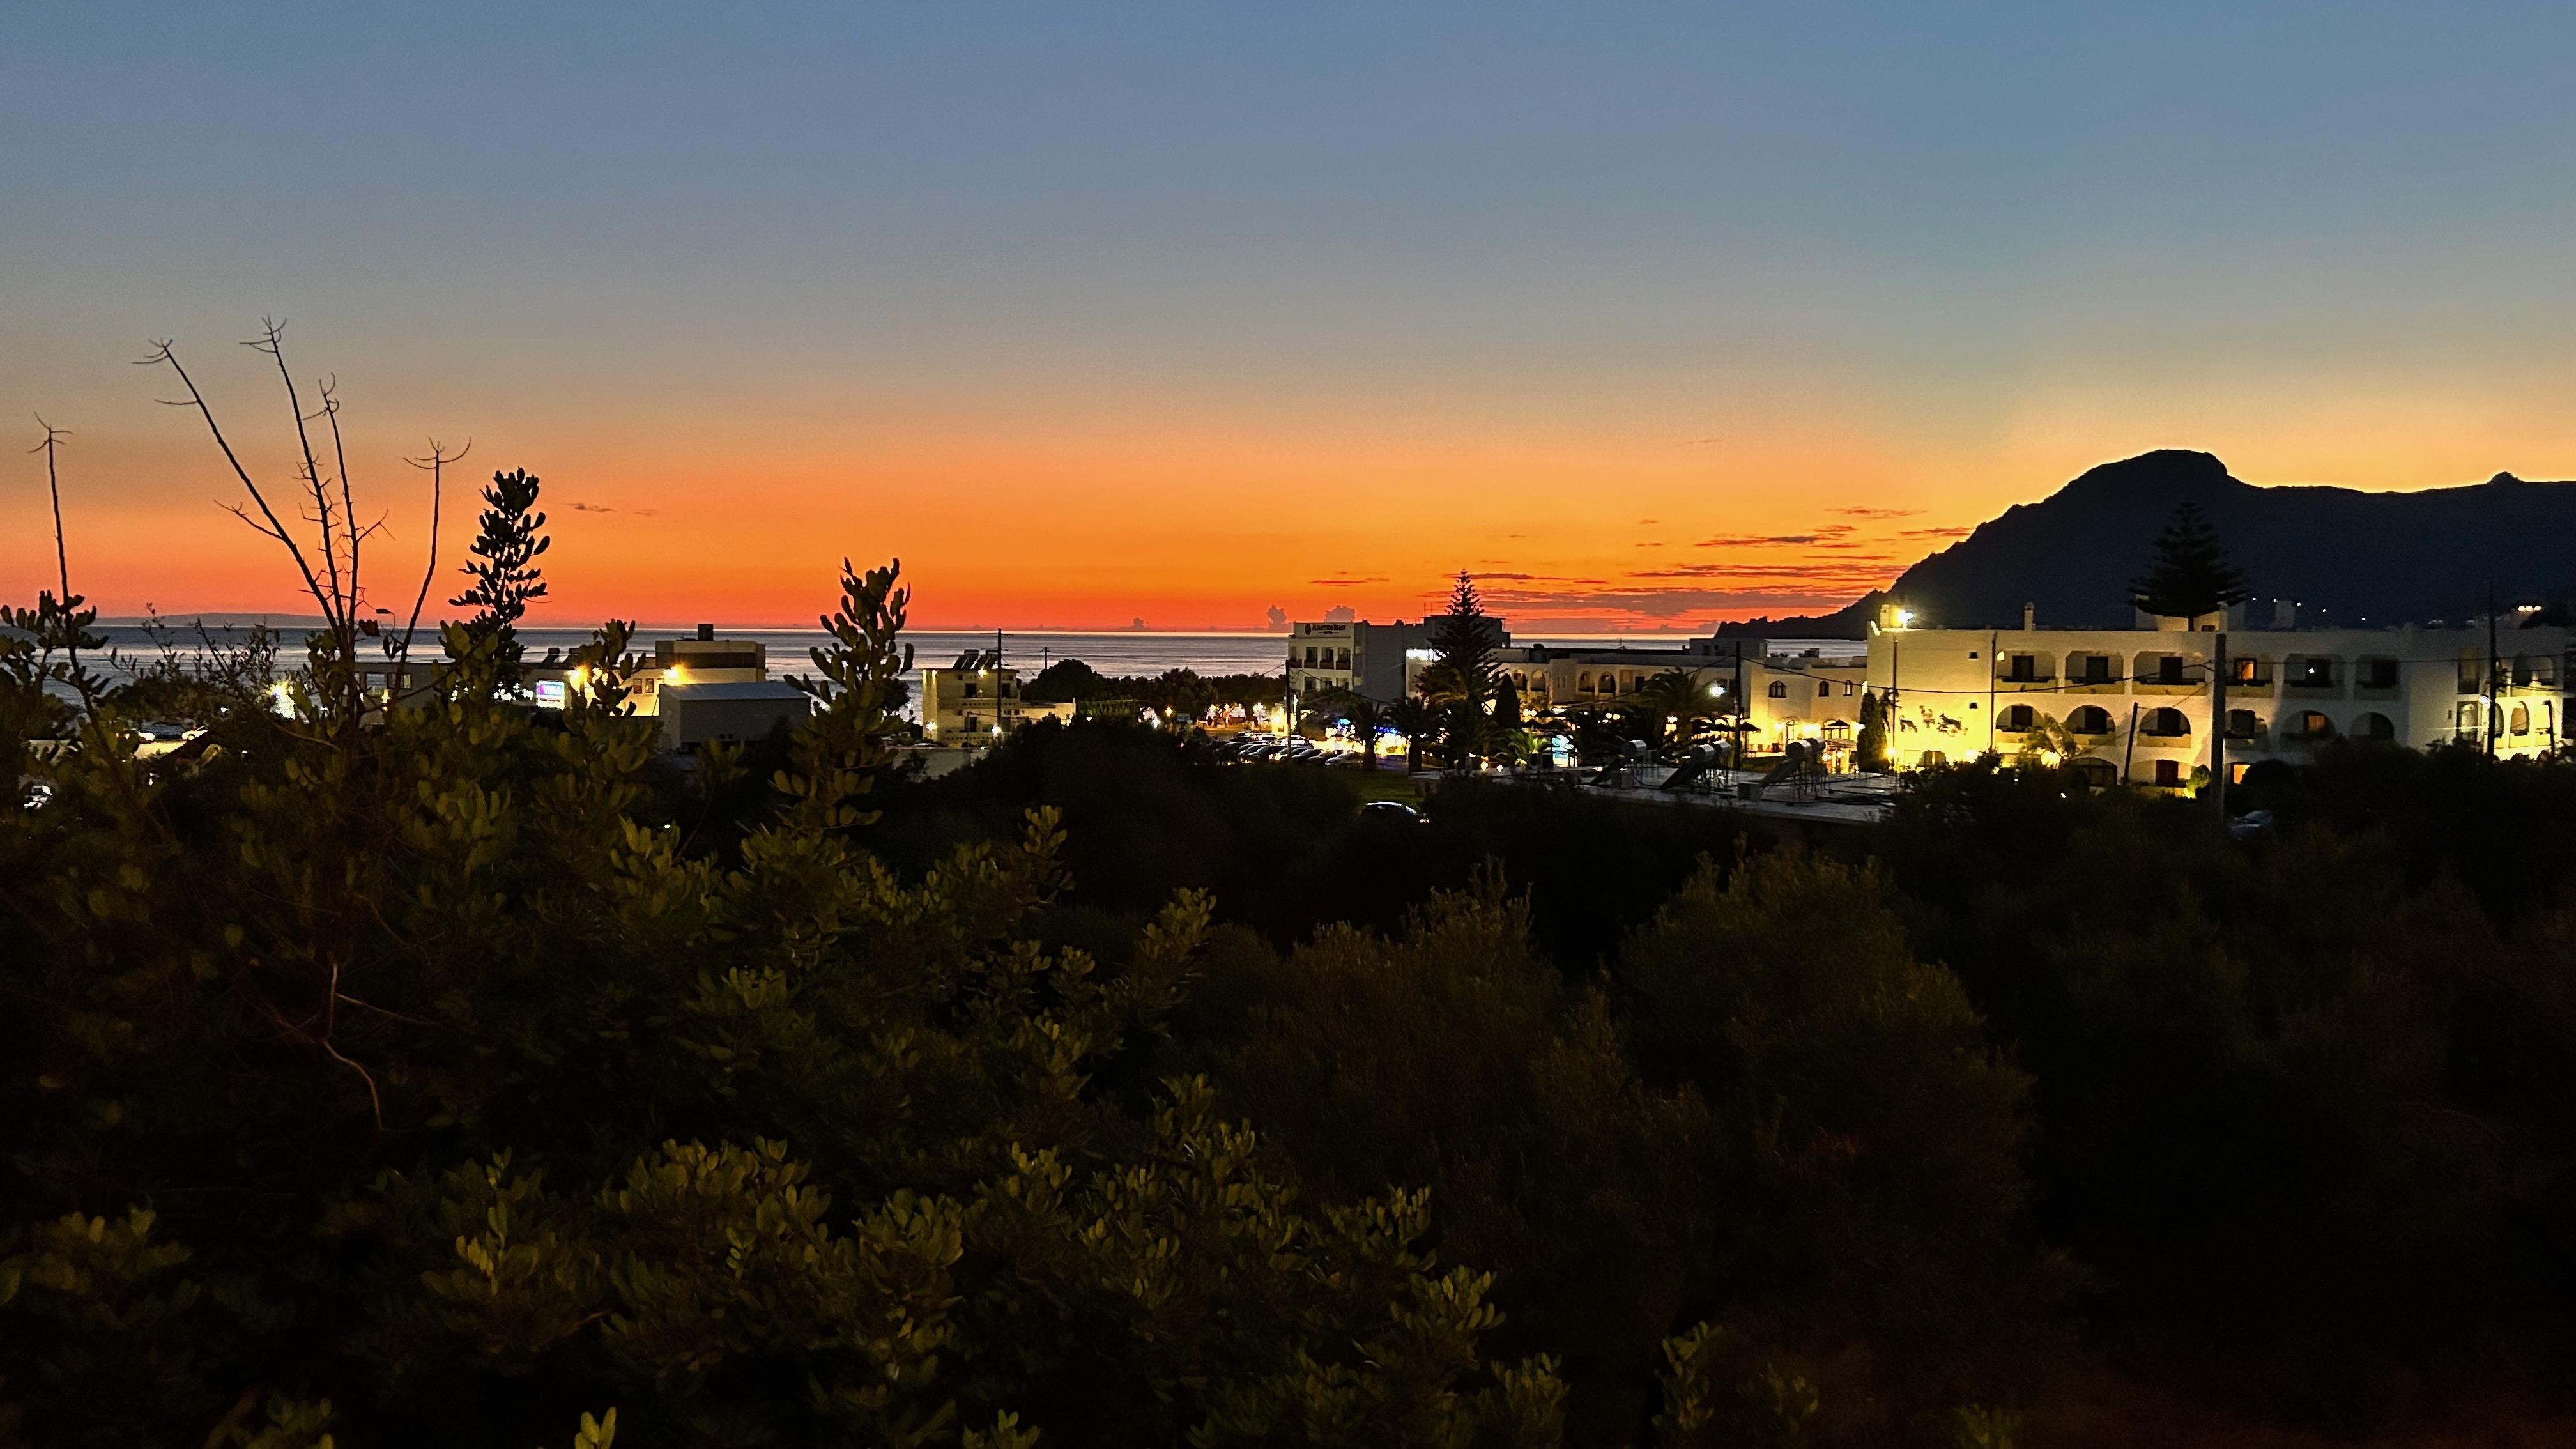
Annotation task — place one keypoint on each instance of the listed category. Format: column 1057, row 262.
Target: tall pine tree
column 505, row 573
column 2190, row 575
column 1463, row 679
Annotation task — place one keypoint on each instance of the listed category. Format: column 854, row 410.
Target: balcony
column 2259, row 683
column 2096, row 674
column 2311, row 679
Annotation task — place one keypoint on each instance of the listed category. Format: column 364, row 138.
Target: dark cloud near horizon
column 1827, row 534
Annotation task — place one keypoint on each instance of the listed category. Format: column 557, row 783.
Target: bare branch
column 272, row 340
column 436, row 463
column 163, row 352
column 348, row 506
column 53, row 482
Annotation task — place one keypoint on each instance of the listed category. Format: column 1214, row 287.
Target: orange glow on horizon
column 1200, row 524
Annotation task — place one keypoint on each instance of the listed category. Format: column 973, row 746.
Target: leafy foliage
column 467, row 1098
column 1869, row 747
column 506, row 576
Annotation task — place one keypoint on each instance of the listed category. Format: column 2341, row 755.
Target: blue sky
column 1912, row 255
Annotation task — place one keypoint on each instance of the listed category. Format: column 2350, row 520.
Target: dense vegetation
column 459, row 1073
column 1182, row 692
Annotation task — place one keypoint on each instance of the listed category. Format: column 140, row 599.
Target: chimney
column 707, row 633
column 2030, row 616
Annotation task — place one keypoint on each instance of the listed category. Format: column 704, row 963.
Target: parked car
column 1391, row 812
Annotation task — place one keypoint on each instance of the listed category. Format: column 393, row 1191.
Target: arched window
column 2019, row 717
column 2521, row 719
column 1583, row 683
column 2166, row 723
column 1779, row 689
column 2092, row 719
column 2374, row 726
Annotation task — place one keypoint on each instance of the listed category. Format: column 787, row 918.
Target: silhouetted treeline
column 446, row 1074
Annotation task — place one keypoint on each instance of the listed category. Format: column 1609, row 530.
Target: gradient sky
column 1648, row 314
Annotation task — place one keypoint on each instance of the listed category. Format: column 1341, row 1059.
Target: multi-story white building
column 1806, row 691
column 1355, row 656
column 1790, row 691
column 2137, row 704
column 977, row 700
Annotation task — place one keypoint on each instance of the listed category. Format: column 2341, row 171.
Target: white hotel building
column 2139, row 702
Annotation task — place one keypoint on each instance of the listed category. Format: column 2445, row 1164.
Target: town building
column 1788, row 691
column 977, row 700
column 696, row 658
column 2137, row 705
column 729, row 712
column 1806, row 691
column 1357, row 657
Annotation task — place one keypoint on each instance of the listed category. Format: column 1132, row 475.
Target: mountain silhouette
column 2343, row 556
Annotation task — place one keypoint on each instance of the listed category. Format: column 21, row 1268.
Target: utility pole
column 1743, row 705
column 1994, row 642
column 1887, row 706
column 2129, row 756
column 2494, row 695
column 2218, row 727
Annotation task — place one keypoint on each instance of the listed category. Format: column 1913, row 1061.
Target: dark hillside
column 2344, row 556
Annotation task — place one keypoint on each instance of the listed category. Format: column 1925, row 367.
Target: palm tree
column 1675, row 697
column 1416, row 720
column 1364, row 715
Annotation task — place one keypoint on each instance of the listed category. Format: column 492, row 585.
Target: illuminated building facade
column 2136, row 704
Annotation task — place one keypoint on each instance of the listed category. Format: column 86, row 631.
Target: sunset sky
column 1649, row 315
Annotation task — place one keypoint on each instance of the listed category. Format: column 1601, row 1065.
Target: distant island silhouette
column 2344, row 556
